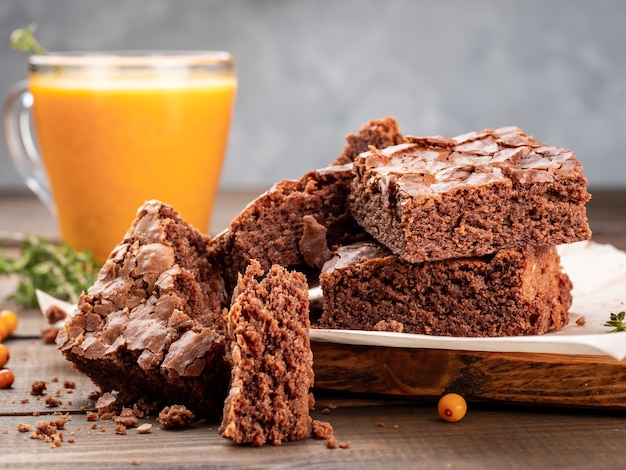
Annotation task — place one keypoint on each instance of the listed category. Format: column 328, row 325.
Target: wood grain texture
column 426, row 374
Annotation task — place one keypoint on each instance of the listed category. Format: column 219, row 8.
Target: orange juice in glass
column 117, row 129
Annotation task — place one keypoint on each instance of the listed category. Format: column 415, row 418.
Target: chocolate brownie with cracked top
column 153, row 326
column 434, row 198
column 272, row 376
column 517, row 291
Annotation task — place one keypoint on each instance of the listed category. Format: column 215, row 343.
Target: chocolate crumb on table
column 272, row 376
column 145, row 428
column 52, row 401
column 38, row 387
column 175, row 416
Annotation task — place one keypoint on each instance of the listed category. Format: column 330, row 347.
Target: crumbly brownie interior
column 155, row 317
column 437, row 198
column 379, row 133
column 271, row 227
column 269, row 399
column 520, row 291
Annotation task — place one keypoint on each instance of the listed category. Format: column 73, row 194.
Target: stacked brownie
column 464, row 233
column 442, row 236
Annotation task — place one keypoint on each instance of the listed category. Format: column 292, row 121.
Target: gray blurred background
column 311, row 71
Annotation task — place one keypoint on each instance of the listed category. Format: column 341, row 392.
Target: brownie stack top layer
column 435, row 198
column 431, row 165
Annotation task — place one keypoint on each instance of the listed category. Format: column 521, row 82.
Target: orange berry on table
column 4, row 332
column 4, row 355
column 9, row 319
column 452, row 407
column 6, row 378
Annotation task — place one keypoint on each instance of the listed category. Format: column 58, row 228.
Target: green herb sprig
column 23, row 40
column 56, row 269
column 617, row 322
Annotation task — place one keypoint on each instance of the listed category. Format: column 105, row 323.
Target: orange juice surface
column 110, row 146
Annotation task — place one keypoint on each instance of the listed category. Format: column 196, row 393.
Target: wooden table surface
column 383, row 432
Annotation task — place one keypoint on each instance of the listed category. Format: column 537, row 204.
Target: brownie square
column 517, row 291
column 437, row 198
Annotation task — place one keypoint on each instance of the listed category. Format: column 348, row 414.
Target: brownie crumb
column 145, row 428
column 52, row 401
column 54, row 314
column 331, row 442
column 127, row 418
column 582, row 321
column 321, row 429
column 391, row 326
column 49, row 335
column 313, row 244
column 120, row 429
column 107, row 403
column 344, row 445
column 49, row 431
column 38, row 387
column 92, row 416
column 69, row 384
column 175, row 416
column 23, row 427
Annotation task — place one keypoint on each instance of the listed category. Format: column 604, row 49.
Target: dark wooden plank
column 426, row 374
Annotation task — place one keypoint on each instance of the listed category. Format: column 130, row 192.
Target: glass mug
column 116, row 129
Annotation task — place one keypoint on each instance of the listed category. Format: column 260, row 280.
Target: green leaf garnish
column 617, row 322
column 56, row 269
column 23, row 40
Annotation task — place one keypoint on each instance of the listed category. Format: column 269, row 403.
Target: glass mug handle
column 21, row 144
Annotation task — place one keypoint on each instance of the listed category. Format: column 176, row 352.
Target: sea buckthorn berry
column 9, row 319
column 6, row 378
column 4, row 332
column 4, row 355
column 452, row 407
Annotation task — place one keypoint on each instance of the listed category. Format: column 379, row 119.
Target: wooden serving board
column 426, row 374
